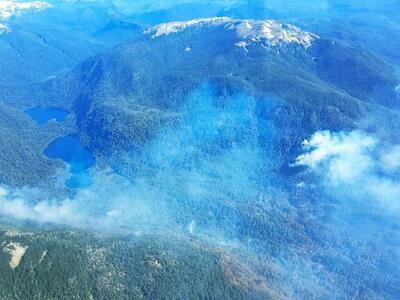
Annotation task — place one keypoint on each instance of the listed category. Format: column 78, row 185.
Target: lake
column 43, row 115
column 70, row 150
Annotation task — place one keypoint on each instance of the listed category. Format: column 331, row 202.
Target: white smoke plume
column 355, row 164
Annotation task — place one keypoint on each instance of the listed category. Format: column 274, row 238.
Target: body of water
column 70, row 150
column 43, row 115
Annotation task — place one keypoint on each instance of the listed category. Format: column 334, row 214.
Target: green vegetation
column 22, row 161
column 75, row 265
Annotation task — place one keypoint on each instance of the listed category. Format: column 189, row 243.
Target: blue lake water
column 70, row 150
column 42, row 114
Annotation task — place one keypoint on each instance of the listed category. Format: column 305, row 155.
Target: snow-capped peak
column 173, row 27
column 267, row 32
column 9, row 8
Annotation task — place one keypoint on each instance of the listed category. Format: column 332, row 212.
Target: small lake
column 43, row 115
column 70, row 150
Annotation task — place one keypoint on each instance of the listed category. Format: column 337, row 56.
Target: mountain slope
column 299, row 70
column 75, row 265
column 206, row 119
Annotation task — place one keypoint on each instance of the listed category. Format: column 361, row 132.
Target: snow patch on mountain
column 4, row 28
column 267, row 32
column 174, row 27
column 10, row 8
